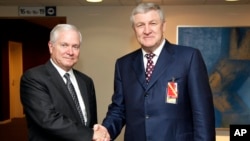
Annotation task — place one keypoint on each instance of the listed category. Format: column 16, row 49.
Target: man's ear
column 50, row 45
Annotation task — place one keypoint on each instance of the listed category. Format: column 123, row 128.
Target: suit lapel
column 138, row 67
column 165, row 60
column 56, row 78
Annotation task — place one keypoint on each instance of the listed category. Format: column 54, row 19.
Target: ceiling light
column 231, row 0
column 94, row 0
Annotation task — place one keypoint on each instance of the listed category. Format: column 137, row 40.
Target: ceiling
column 115, row 2
column 51, row 22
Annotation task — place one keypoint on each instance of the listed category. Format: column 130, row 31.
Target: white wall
column 108, row 35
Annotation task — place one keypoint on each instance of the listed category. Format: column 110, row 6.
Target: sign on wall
column 37, row 11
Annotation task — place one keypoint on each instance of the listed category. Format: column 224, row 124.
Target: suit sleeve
column 201, row 99
column 42, row 115
column 115, row 118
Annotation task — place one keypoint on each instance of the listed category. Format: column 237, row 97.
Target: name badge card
column 172, row 92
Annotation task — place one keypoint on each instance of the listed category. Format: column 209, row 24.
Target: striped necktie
column 74, row 96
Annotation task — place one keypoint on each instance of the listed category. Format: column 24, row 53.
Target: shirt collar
column 157, row 51
column 60, row 70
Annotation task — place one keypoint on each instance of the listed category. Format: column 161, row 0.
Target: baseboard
column 5, row 121
column 9, row 120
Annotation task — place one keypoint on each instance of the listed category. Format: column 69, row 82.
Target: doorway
column 15, row 72
column 23, row 44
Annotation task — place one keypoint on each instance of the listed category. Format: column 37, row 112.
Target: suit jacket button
column 147, row 116
column 146, row 95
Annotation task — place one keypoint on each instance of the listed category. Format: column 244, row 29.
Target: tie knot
column 150, row 56
column 66, row 75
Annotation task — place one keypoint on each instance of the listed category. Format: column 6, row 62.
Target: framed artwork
column 226, row 52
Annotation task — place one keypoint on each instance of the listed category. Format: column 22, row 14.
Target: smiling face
column 65, row 50
column 149, row 29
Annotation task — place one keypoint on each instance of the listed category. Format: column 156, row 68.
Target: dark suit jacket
column 49, row 109
column 143, row 108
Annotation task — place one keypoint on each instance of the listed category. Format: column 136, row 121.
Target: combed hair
column 63, row 27
column 144, row 8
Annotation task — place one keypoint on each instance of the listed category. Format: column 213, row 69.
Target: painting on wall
column 226, row 52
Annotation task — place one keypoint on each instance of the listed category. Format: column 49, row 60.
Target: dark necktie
column 74, row 96
column 150, row 66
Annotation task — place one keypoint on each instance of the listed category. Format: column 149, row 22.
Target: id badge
column 172, row 92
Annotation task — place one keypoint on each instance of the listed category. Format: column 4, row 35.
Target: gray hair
column 63, row 27
column 146, row 7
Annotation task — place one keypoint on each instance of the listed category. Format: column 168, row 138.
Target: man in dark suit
column 50, row 109
column 166, row 97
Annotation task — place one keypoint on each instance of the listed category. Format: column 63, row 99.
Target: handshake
column 100, row 133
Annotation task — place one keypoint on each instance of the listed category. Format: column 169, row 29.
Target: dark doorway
column 33, row 34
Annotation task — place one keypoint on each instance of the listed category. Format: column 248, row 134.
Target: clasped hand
column 100, row 133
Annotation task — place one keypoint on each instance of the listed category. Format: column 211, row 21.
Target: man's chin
column 148, row 45
column 69, row 65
